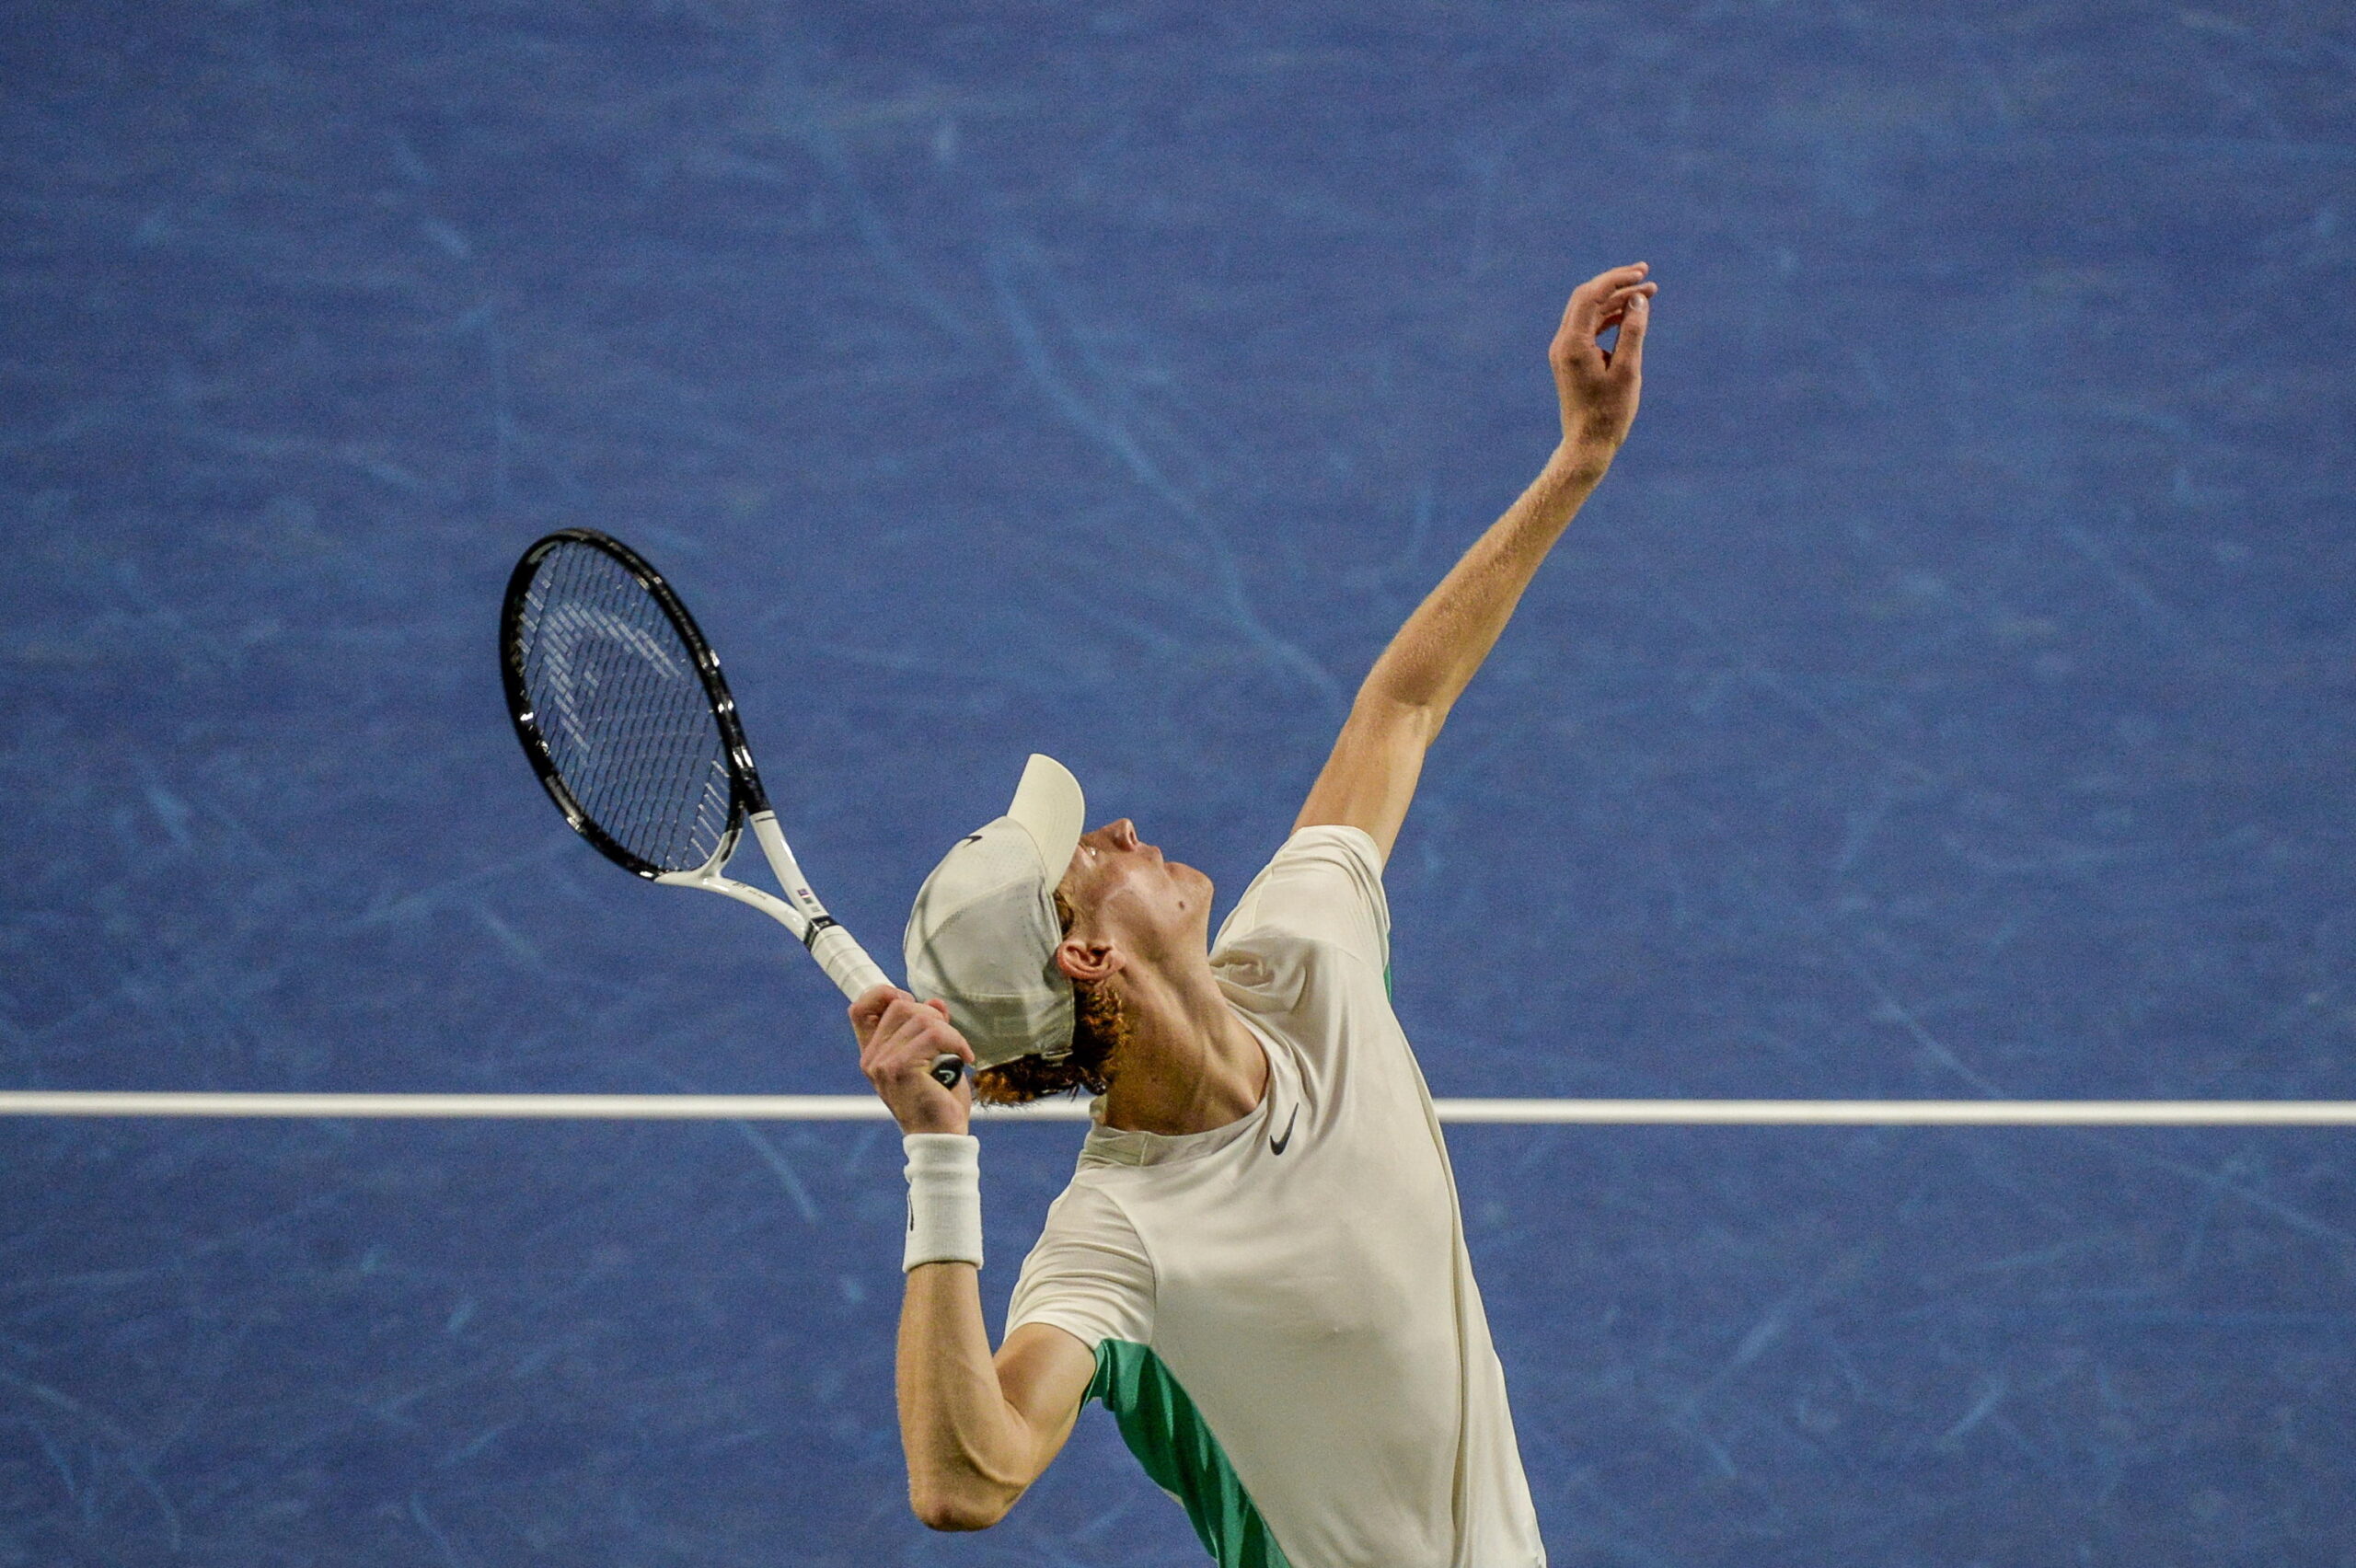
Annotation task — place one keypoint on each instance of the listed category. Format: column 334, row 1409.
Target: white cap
column 983, row 934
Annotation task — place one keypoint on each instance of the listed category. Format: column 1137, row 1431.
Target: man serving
column 1259, row 1266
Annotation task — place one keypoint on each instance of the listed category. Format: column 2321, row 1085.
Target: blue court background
column 1947, row 695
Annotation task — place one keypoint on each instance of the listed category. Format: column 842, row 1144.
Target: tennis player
column 1259, row 1266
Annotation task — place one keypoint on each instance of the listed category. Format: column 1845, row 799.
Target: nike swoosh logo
column 1276, row 1146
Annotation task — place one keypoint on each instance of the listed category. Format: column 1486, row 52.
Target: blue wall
column 1947, row 695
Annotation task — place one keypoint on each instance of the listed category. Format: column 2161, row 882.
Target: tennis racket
column 621, row 705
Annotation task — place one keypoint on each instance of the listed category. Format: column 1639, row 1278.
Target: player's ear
column 1087, row 961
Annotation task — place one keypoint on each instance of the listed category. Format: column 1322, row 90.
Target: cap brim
column 1049, row 806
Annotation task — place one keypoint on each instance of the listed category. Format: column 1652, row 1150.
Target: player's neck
column 1190, row 1064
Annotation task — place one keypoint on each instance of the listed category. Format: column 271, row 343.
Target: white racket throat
column 845, row 962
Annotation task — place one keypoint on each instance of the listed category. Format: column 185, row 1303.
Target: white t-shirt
column 1283, row 1312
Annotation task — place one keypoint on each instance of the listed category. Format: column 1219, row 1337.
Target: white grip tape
column 846, row 963
column 944, row 1199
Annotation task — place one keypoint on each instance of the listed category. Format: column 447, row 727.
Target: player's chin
column 1194, row 895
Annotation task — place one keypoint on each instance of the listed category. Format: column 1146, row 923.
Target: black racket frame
column 746, row 795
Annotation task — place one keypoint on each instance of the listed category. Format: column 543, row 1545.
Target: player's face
column 1122, row 888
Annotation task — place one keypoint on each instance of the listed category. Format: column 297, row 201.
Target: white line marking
column 1524, row 1112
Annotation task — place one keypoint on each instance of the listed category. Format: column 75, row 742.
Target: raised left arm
column 1369, row 779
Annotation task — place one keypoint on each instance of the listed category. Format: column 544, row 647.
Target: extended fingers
column 1587, row 303
column 1616, row 278
column 1618, row 311
column 1628, row 353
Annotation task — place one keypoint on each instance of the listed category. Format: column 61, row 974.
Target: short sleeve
column 1324, row 885
column 1088, row 1275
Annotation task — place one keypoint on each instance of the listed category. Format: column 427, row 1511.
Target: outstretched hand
column 899, row 1038
column 1598, row 387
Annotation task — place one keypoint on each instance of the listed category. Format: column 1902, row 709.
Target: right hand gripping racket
column 618, row 702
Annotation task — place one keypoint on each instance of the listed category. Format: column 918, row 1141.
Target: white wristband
column 944, row 1199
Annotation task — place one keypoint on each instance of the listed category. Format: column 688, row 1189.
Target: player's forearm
column 1436, row 652
column 970, row 1454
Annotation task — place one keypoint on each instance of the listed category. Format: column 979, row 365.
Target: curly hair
column 1100, row 1028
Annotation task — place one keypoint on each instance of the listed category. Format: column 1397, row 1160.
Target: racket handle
column 854, row 973
column 846, row 963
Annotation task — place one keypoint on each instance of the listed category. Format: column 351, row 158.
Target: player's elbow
column 956, row 1515
column 950, row 1508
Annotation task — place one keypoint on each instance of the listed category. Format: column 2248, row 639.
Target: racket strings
column 618, row 698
